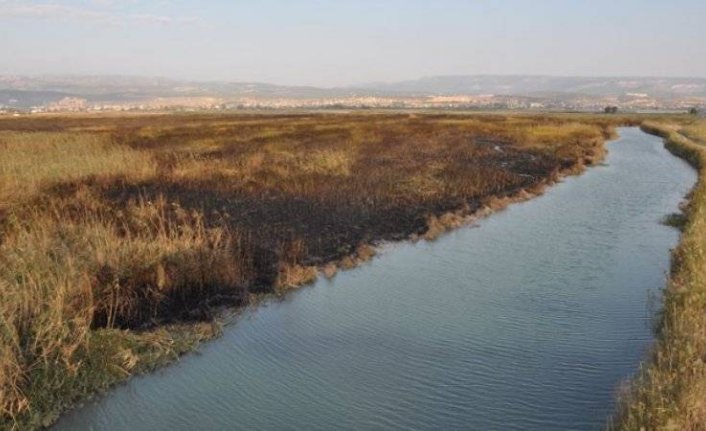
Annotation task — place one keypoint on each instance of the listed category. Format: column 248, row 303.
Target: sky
column 347, row 42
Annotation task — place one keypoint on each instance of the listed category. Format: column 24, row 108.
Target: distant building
column 71, row 104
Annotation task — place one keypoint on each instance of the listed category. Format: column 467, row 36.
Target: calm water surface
column 529, row 321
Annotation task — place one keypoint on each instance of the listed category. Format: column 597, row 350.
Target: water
column 529, row 321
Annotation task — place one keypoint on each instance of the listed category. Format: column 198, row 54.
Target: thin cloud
column 52, row 11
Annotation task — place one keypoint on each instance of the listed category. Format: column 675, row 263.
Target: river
column 530, row 320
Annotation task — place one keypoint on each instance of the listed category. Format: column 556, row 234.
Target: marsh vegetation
column 121, row 236
column 669, row 392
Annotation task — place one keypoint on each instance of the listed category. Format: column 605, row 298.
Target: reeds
column 63, row 274
column 31, row 160
column 669, row 391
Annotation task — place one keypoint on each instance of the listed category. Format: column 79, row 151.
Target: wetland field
column 124, row 239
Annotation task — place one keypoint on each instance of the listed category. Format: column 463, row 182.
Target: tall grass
column 71, row 264
column 31, row 160
column 669, row 392
column 60, row 277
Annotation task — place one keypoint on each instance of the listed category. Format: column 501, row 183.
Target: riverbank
column 562, row 281
column 167, row 219
column 669, row 392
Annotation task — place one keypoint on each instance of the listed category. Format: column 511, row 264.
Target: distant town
column 34, row 95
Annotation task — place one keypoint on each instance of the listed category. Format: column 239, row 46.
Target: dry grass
column 114, row 229
column 669, row 392
column 62, row 276
column 32, row 160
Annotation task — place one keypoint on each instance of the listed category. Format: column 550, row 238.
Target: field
column 121, row 237
column 669, row 392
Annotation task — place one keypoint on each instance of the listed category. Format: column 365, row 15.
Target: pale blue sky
column 340, row 42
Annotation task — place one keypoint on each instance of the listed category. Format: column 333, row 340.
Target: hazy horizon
column 315, row 43
column 362, row 84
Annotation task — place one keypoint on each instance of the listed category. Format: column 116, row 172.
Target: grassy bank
column 669, row 392
column 121, row 237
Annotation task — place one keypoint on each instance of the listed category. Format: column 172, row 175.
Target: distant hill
column 22, row 99
column 527, row 85
column 493, row 91
column 130, row 87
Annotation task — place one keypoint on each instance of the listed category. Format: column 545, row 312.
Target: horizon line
column 348, row 86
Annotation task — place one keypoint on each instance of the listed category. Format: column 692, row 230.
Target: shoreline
column 667, row 390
